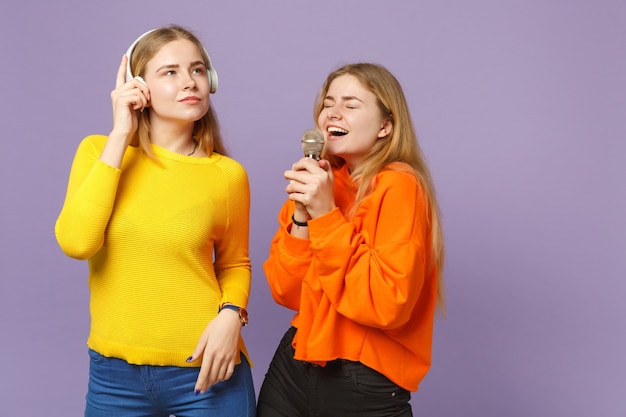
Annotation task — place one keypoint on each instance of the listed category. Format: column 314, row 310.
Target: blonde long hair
column 206, row 130
column 399, row 150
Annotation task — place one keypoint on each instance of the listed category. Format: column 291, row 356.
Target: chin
column 193, row 116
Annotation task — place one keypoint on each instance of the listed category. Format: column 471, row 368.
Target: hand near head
column 311, row 186
column 126, row 98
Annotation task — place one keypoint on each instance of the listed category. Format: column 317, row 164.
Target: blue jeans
column 117, row 388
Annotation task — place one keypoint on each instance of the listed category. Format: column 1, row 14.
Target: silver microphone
column 313, row 143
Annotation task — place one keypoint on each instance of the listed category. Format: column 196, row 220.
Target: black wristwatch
column 243, row 313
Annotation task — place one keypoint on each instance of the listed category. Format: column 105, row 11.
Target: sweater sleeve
column 372, row 268
column 288, row 262
column 232, row 262
column 89, row 201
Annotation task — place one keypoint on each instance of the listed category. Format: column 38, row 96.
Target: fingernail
column 189, row 359
column 197, row 392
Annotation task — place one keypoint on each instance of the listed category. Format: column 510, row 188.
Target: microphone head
column 313, row 143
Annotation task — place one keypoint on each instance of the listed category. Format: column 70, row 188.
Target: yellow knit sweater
column 166, row 242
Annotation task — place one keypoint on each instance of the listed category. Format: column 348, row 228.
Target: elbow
column 393, row 321
column 76, row 248
column 75, row 251
column 278, row 296
column 288, row 299
column 392, row 315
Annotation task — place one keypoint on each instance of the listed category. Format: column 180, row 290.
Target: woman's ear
column 385, row 129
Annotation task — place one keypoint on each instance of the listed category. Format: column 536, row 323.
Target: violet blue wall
column 520, row 107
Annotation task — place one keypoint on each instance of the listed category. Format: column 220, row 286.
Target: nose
column 190, row 82
column 333, row 113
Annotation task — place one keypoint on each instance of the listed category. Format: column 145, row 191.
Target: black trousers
column 293, row 388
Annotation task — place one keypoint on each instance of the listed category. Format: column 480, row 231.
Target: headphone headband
column 211, row 70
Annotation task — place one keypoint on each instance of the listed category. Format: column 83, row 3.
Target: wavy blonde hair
column 206, row 130
column 399, row 150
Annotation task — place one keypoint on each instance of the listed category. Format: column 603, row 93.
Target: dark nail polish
column 189, row 359
column 197, row 392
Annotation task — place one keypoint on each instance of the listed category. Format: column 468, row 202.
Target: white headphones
column 211, row 71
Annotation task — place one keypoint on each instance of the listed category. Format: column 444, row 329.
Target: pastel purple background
column 520, row 108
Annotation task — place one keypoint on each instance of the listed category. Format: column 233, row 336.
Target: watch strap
column 242, row 312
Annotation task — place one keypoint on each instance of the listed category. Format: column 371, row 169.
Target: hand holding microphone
column 311, row 179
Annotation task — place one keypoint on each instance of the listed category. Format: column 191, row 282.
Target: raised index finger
column 121, row 72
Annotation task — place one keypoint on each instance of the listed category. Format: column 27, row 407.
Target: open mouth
column 337, row 131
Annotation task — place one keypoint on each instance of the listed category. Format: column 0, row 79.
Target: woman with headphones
column 161, row 213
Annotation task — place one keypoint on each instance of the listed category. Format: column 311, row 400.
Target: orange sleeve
column 288, row 262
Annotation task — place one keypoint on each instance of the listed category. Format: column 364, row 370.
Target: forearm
column 235, row 285
column 373, row 267
column 287, row 265
column 299, row 222
column 374, row 286
column 114, row 149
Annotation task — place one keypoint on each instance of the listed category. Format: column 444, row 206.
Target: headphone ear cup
column 212, row 73
column 213, row 79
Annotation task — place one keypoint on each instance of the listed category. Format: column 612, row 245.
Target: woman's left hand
column 219, row 348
